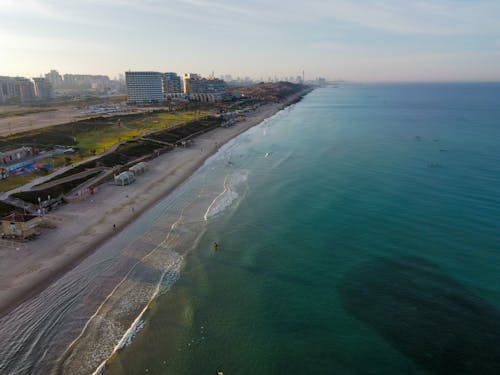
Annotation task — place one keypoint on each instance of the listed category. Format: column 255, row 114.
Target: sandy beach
column 81, row 227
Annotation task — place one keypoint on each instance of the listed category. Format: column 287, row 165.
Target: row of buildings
column 78, row 81
column 19, row 90
column 23, row 90
column 155, row 87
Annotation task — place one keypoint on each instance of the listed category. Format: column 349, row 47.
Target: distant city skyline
column 364, row 41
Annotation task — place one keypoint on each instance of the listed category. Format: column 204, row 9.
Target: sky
column 362, row 40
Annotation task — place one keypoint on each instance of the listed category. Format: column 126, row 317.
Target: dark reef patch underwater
column 425, row 314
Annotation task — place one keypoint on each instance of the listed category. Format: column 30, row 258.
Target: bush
column 79, row 168
column 174, row 135
column 55, row 192
column 7, row 209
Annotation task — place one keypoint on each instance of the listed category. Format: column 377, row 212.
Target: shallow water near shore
column 358, row 233
column 367, row 242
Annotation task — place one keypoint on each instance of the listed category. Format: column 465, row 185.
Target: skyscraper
column 144, row 87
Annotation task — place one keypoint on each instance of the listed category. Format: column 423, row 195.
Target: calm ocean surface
column 360, row 234
column 358, row 231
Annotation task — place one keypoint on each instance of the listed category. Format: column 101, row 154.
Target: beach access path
column 81, row 227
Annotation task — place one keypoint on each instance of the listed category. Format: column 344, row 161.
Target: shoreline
column 26, row 272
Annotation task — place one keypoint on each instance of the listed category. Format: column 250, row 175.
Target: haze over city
column 362, row 41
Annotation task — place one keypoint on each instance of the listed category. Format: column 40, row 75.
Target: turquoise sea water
column 364, row 239
column 358, row 231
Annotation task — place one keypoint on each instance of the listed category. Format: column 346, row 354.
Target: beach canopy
column 124, row 178
column 139, row 168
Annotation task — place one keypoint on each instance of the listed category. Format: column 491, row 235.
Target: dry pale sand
column 83, row 226
column 17, row 124
column 61, row 115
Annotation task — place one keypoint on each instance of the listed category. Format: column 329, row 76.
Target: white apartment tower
column 144, row 87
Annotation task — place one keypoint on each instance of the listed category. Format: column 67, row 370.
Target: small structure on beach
column 124, row 178
column 139, row 168
column 20, row 226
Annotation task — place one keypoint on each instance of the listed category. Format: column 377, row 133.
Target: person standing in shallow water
column 216, row 246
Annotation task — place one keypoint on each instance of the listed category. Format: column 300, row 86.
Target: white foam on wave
column 164, row 283
column 171, row 267
column 228, row 195
column 161, row 257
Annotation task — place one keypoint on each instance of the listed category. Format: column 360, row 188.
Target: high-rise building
column 7, row 89
column 54, row 78
column 43, row 88
column 21, row 90
column 186, row 79
column 24, row 89
column 194, row 84
column 171, row 84
column 16, row 90
column 204, row 89
column 144, row 87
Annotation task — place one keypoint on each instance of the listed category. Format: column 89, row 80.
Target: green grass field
column 92, row 136
column 103, row 137
column 12, row 182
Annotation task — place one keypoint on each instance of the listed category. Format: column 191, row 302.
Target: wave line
column 226, row 189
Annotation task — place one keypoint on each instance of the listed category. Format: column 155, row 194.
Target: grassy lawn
column 12, row 182
column 55, row 192
column 157, row 121
column 96, row 134
column 103, row 137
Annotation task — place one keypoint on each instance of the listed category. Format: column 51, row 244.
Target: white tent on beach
column 124, row 178
column 139, row 168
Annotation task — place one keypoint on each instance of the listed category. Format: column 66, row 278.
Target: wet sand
column 82, row 226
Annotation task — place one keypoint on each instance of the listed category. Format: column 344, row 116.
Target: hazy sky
column 360, row 40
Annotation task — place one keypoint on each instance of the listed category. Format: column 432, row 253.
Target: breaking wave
column 228, row 195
